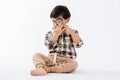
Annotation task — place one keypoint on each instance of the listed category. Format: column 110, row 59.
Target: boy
column 61, row 42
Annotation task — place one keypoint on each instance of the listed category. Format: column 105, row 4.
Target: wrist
column 55, row 37
column 56, row 34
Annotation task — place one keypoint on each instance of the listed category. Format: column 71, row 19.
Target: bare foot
column 48, row 69
column 38, row 72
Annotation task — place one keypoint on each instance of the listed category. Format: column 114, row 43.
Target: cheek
column 54, row 24
column 64, row 23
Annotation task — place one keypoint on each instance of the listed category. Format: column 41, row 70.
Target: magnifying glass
column 59, row 21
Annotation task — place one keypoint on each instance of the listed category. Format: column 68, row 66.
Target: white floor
column 83, row 75
column 21, row 72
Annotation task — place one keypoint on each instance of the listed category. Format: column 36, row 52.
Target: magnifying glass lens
column 59, row 21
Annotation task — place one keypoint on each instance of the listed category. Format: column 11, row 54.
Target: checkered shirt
column 64, row 45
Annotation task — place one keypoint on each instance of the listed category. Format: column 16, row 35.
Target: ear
column 67, row 20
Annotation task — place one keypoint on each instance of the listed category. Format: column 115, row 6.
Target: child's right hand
column 59, row 29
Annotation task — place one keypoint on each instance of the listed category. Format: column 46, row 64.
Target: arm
column 58, row 31
column 51, row 38
column 48, row 40
column 75, row 37
column 77, row 41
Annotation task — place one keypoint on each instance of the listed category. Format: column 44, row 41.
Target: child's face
column 60, row 21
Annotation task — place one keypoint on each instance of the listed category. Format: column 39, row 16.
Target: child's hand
column 68, row 30
column 59, row 29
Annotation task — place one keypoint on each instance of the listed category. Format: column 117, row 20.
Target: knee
column 75, row 65
column 36, row 55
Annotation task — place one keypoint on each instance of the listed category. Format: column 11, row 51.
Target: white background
column 24, row 23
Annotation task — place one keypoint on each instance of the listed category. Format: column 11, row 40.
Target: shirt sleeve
column 48, row 42
column 78, row 45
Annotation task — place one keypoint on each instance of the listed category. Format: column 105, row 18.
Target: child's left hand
column 68, row 30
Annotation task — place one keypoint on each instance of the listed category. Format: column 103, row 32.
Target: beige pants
column 64, row 64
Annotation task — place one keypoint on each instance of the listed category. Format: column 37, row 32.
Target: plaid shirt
column 64, row 45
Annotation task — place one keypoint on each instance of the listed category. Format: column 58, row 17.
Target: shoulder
column 50, row 32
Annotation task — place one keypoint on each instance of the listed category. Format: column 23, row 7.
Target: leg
column 40, row 59
column 65, row 65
